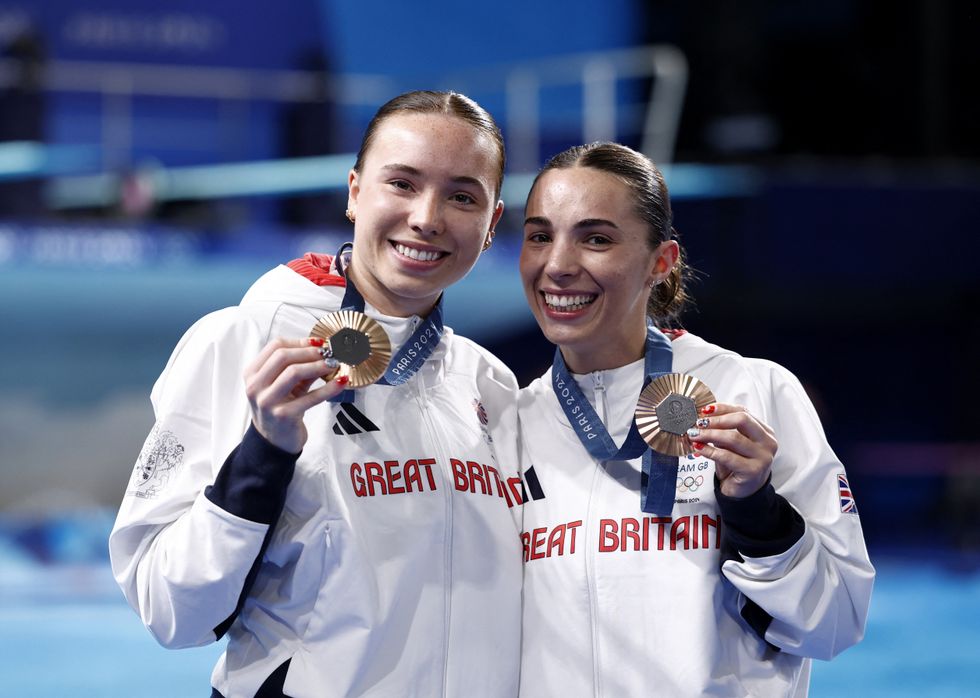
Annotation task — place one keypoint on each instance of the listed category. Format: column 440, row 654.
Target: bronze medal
column 359, row 343
column 667, row 408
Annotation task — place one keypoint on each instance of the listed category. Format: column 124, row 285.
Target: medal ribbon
column 659, row 477
column 416, row 349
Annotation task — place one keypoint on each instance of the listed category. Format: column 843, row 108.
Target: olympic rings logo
column 691, row 483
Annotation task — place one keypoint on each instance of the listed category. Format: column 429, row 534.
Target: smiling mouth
column 568, row 304
column 417, row 255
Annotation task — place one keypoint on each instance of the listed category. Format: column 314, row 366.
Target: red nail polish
column 316, row 341
column 708, row 409
column 698, row 446
column 342, row 380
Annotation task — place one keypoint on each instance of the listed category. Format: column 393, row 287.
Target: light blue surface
column 923, row 638
column 66, row 632
column 94, row 650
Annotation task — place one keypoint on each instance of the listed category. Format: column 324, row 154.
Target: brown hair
column 449, row 103
column 669, row 298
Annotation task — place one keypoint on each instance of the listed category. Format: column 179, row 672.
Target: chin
column 562, row 336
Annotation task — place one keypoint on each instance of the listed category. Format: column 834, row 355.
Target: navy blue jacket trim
column 252, row 484
column 253, row 480
column 758, row 620
column 272, row 687
column 761, row 524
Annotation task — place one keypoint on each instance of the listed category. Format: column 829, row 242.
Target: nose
column 425, row 217
column 562, row 260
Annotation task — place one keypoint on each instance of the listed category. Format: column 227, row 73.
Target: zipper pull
column 597, row 384
column 599, row 390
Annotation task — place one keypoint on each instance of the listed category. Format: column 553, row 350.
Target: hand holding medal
column 741, row 445
column 281, row 384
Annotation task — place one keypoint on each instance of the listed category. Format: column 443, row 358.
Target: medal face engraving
column 667, row 408
column 677, row 414
column 350, row 347
column 359, row 343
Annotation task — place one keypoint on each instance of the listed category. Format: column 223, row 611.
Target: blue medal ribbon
column 416, row 349
column 659, row 477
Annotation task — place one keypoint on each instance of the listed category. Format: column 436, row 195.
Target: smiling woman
column 275, row 522
column 721, row 572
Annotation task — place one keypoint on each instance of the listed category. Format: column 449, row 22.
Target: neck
column 609, row 354
column 377, row 296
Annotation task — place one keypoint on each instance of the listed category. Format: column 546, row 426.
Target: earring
column 488, row 241
column 350, row 215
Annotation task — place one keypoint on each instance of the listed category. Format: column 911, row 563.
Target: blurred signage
column 90, row 246
column 220, row 32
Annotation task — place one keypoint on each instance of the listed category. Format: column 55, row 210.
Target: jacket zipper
column 447, row 478
column 599, row 392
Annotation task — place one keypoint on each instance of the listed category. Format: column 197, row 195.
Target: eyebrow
column 408, row 169
column 584, row 223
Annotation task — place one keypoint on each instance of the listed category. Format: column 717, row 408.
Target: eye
column 598, row 240
column 400, row 184
column 538, row 237
column 463, row 198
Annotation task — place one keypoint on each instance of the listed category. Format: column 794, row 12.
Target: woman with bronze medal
column 688, row 530
column 349, row 517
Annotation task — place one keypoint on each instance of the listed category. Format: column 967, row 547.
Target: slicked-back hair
column 448, row 103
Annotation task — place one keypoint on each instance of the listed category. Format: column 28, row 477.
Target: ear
column 664, row 259
column 353, row 189
column 497, row 213
column 494, row 219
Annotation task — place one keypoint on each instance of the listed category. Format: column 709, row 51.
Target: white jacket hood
column 284, row 285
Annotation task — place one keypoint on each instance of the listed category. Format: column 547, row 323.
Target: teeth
column 570, row 303
column 420, row 255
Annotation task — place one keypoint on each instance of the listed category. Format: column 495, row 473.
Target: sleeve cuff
column 761, row 524
column 252, row 482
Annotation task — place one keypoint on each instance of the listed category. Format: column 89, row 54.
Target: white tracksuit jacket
column 618, row 603
column 387, row 560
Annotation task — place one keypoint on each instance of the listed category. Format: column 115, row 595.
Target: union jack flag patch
column 481, row 413
column 847, row 503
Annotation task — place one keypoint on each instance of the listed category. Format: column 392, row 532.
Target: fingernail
column 342, row 380
column 698, row 446
column 316, row 341
column 693, row 433
column 331, row 362
column 708, row 409
column 703, row 422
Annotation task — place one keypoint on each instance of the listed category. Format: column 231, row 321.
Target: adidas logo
column 351, row 420
column 533, row 485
